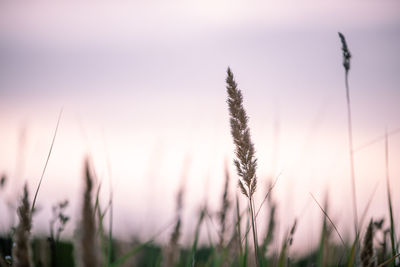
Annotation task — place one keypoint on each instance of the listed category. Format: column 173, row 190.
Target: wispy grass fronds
column 57, row 226
column 225, row 207
column 367, row 251
column 245, row 161
column 22, row 255
column 59, row 218
column 346, row 65
column 88, row 240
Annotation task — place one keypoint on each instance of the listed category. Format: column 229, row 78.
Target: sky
column 141, row 85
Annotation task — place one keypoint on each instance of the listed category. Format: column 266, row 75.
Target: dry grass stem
column 346, row 65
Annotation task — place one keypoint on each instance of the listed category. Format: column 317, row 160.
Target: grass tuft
column 22, row 255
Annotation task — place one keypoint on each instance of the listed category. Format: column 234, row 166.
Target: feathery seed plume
column 246, row 163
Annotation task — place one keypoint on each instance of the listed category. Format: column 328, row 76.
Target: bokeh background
column 142, row 88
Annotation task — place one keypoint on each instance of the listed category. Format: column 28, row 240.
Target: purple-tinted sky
column 143, row 84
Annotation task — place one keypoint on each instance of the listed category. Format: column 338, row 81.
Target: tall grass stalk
column 245, row 161
column 346, row 65
column 392, row 230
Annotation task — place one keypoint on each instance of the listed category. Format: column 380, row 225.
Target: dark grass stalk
column 346, row 65
column 392, row 229
column 245, row 161
column 323, row 243
column 21, row 251
column 88, row 242
column 47, row 161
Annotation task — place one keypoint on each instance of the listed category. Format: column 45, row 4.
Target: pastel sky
column 142, row 87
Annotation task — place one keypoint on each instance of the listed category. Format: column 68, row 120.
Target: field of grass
column 239, row 243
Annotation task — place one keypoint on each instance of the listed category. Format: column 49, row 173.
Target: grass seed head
column 346, row 52
column 245, row 161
